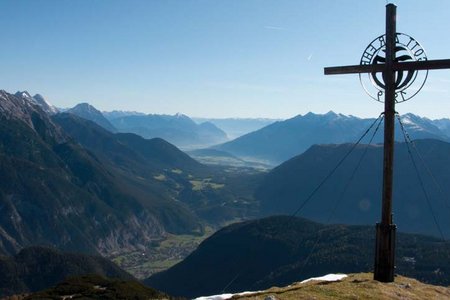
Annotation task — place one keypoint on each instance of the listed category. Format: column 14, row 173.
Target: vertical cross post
column 385, row 236
column 386, row 230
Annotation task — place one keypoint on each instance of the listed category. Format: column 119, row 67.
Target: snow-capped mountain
column 280, row 141
column 39, row 100
column 120, row 113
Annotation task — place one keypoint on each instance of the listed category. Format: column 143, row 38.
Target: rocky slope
column 55, row 192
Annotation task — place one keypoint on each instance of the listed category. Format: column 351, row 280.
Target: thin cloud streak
column 275, row 28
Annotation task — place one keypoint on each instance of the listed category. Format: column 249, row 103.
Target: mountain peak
column 21, row 106
column 38, row 100
column 16, row 107
column 181, row 116
column 44, row 104
column 85, row 105
column 89, row 112
column 23, row 94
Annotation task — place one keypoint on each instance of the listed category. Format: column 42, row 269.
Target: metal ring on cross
column 407, row 83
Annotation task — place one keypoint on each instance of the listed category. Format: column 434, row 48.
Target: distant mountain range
column 357, row 201
column 283, row 140
column 278, row 251
column 178, row 129
column 120, row 113
column 259, row 141
column 236, row 127
column 38, row 268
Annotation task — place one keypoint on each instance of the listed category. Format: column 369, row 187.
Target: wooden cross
column 385, row 231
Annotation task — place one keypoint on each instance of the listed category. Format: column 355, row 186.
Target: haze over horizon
column 255, row 59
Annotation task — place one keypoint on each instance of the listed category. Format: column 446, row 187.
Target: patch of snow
column 225, row 296
column 329, row 277
column 407, row 120
column 215, row 297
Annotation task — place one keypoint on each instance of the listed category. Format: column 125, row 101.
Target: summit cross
column 392, row 84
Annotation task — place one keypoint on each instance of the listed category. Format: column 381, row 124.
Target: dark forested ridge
column 37, row 268
column 358, row 200
column 98, row 287
column 278, row 251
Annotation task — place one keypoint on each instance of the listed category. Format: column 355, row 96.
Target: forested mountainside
column 351, row 195
column 278, row 251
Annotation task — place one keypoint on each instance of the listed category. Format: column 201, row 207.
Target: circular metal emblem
column 407, row 83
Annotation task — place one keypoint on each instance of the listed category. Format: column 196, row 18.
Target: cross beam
column 404, row 66
column 385, row 230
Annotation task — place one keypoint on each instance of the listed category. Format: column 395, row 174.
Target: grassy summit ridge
column 355, row 286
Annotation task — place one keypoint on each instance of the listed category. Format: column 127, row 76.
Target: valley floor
column 163, row 255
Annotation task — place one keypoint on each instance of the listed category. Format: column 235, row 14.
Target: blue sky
column 228, row 58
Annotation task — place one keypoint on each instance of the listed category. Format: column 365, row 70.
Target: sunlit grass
column 198, row 185
column 160, row 177
column 355, row 286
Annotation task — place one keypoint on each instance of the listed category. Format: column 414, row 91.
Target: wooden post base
column 385, row 253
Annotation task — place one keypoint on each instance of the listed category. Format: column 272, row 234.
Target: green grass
column 216, row 186
column 197, row 185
